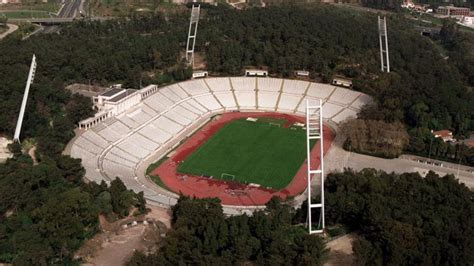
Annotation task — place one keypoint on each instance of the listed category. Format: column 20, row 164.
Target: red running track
column 231, row 193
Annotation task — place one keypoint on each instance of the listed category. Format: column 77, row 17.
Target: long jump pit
column 229, row 192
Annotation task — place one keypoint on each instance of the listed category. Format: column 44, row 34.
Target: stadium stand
column 119, row 146
column 295, row 86
column 269, row 84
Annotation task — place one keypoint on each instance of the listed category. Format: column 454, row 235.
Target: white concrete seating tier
column 196, row 110
column 186, row 113
column 167, row 125
column 269, row 84
column 295, row 86
column 246, row 99
column 176, row 89
column 177, row 117
column 219, row 84
column 89, row 146
column 124, row 154
column 119, row 145
column 227, row 100
column 194, row 87
column 330, row 109
column 267, row 100
column 170, row 93
column 139, row 116
column 194, row 103
column 128, row 121
column 158, row 102
column 156, row 134
column 288, row 102
column 93, row 137
column 343, row 96
column 243, row 84
column 209, row 102
column 117, row 159
column 115, row 169
column 321, row 91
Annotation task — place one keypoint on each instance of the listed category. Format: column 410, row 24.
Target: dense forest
column 404, row 219
column 47, row 211
column 202, row 235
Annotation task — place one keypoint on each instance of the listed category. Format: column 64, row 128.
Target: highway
column 66, row 14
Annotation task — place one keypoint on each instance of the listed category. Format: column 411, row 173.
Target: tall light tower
column 192, row 33
column 314, row 131
column 383, row 39
column 31, row 76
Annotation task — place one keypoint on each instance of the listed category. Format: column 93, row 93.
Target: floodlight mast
column 383, row 40
column 192, row 33
column 31, row 76
column 314, row 131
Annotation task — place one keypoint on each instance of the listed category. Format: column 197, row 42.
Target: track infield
column 268, row 153
column 233, row 193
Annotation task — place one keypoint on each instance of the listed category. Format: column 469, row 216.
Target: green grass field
column 254, row 152
column 25, row 14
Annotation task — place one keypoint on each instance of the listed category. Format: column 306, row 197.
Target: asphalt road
column 69, row 10
column 337, row 159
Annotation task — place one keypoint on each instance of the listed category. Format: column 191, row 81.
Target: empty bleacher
column 246, row 99
column 321, row 91
column 194, row 87
column 295, row 86
column 243, row 84
column 219, row 84
column 267, row 100
column 288, row 102
column 269, row 84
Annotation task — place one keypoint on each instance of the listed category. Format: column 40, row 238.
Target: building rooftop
column 443, row 133
column 111, row 92
column 122, row 95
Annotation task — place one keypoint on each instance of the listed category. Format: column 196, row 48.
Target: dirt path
column 32, row 153
column 341, row 251
column 115, row 245
column 11, row 28
column 119, row 249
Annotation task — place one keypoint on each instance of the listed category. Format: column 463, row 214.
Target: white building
column 342, row 82
column 114, row 102
column 256, row 73
column 302, row 73
column 200, row 74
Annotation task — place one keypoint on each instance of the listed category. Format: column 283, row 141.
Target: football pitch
column 261, row 152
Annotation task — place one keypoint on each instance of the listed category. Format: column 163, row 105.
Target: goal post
column 227, row 177
column 274, row 124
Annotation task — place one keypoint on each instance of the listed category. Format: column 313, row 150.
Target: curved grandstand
column 124, row 145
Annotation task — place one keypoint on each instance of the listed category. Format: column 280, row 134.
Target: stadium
column 186, row 127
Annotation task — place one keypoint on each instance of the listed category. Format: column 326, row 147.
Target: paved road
column 68, row 11
column 337, row 159
column 11, row 28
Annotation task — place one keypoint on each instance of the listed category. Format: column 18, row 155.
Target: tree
column 403, row 219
